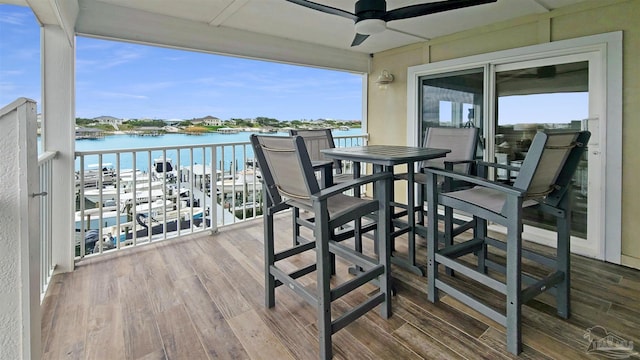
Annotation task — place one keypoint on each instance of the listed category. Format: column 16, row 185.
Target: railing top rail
column 160, row 148
column 46, row 156
column 364, row 136
column 14, row 105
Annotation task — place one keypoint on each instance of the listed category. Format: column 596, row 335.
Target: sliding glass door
column 510, row 102
column 542, row 95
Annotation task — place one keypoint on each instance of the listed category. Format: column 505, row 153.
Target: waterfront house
column 459, row 62
column 89, row 133
column 212, row 121
column 109, row 120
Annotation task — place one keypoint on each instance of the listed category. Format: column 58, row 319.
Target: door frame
column 607, row 49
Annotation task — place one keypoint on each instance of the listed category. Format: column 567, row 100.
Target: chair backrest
column 285, row 166
column 316, row 140
column 461, row 141
column 550, row 163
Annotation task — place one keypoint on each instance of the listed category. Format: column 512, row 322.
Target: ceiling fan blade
column 325, row 9
column 431, row 8
column 359, row 39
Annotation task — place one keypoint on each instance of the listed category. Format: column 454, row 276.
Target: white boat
column 246, row 178
column 163, row 168
column 142, row 184
column 93, row 175
column 157, row 223
column 142, row 197
column 90, row 218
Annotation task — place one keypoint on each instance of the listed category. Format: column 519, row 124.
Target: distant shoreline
column 94, row 133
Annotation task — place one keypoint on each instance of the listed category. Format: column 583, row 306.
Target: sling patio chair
column 463, row 143
column 289, row 182
column 319, row 139
column 316, row 140
column 543, row 182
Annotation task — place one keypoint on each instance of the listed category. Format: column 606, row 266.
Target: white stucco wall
column 10, row 283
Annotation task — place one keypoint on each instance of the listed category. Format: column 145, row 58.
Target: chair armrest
column 509, row 190
column 482, row 167
column 351, row 184
column 499, row 166
column 448, row 164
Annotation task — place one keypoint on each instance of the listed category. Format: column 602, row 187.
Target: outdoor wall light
column 384, row 80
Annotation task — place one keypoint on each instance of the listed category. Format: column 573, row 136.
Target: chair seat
column 337, row 205
column 419, row 178
column 490, row 199
column 342, row 178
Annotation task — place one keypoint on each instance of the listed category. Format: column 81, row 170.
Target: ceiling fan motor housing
column 370, row 15
column 370, row 9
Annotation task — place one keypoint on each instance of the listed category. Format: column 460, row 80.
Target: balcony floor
column 202, row 297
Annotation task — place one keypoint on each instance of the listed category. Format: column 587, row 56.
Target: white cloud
column 14, row 18
column 8, row 73
column 120, row 95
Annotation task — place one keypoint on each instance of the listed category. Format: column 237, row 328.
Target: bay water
column 225, row 159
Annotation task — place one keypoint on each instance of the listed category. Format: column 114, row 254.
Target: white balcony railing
column 45, row 176
column 129, row 197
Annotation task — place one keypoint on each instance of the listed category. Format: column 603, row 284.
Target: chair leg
column 514, row 276
column 393, row 210
column 323, row 271
column 357, row 239
column 448, row 232
column 480, row 232
column 332, row 259
column 383, row 246
column 269, row 259
column 420, row 211
column 563, row 260
column 296, row 228
column 432, row 239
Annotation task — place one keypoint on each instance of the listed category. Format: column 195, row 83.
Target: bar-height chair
column 319, row 139
column 316, row 140
column 543, row 182
column 289, row 182
column 463, row 143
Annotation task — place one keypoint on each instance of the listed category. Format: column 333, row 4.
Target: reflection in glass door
column 454, row 99
column 548, row 96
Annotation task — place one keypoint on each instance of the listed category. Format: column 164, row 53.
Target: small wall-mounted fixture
column 384, row 79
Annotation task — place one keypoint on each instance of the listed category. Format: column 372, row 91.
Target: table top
column 387, row 155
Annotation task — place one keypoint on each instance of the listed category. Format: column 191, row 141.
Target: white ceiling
column 283, row 19
column 274, row 30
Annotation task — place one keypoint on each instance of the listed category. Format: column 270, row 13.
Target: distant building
column 83, row 133
column 207, row 120
column 212, row 121
column 108, row 120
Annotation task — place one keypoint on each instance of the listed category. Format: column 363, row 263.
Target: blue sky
column 136, row 81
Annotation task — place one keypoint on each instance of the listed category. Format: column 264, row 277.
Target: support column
column 58, row 134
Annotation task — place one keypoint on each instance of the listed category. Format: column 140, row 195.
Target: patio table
column 384, row 158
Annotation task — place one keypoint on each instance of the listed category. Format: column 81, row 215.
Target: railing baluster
column 207, row 193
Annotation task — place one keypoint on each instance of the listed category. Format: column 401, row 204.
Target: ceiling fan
column 371, row 16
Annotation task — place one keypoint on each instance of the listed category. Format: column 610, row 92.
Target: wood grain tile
column 202, row 297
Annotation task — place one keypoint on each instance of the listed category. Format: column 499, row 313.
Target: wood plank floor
column 203, row 298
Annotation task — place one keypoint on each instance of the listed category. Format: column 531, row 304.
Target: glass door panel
column 554, row 96
column 453, row 99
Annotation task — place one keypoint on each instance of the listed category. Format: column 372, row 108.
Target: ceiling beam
column 227, row 12
column 61, row 13
column 99, row 19
column 541, row 6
